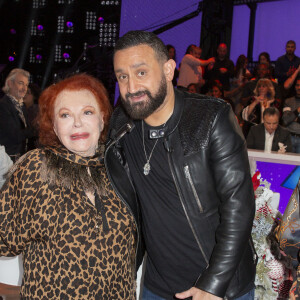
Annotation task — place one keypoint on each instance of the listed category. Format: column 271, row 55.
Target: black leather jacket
column 209, row 163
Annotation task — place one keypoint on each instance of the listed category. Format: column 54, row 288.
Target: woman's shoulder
column 32, row 161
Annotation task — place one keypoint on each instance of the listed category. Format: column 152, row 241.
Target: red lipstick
column 79, row 136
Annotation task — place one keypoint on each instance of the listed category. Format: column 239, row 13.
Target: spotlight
column 40, row 27
column 13, row 31
column 69, row 24
column 11, row 58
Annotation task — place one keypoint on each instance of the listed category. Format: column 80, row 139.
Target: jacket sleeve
column 251, row 139
column 288, row 142
column 288, row 115
column 230, row 167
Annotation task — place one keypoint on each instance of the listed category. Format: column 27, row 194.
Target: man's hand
column 291, row 71
column 197, row 294
column 211, row 60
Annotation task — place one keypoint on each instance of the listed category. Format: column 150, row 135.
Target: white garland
column 262, row 226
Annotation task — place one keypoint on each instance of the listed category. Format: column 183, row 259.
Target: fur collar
column 64, row 168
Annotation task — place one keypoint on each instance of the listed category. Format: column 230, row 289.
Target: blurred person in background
column 14, row 128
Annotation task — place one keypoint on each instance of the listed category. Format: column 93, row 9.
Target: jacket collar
column 177, row 112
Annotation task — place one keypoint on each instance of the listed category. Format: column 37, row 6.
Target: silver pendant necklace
column 147, row 166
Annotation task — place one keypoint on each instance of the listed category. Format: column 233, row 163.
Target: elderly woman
column 78, row 236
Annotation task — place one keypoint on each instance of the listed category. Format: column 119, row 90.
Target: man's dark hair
column 190, row 48
column 271, row 111
column 137, row 37
column 291, row 42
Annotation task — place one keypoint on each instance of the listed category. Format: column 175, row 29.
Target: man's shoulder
column 257, row 128
column 281, row 58
column 6, row 104
column 4, row 99
column 201, row 108
column 187, row 57
column 202, row 101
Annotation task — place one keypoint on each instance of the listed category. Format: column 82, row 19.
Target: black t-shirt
column 174, row 261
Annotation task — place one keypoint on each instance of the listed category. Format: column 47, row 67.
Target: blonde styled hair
column 268, row 83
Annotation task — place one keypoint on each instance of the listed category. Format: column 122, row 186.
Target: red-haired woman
column 79, row 238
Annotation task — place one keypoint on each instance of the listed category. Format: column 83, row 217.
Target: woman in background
column 264, row 58
column 264, row 97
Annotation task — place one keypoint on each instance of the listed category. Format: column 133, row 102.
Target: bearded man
column 187, row 160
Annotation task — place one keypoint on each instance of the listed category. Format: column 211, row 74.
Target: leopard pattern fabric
column 66, row 252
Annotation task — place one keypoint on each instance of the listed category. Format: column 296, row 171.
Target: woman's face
column 263, row 60
column 78, row 121
column 171, row 53
column 216, row 92
column 262, row 90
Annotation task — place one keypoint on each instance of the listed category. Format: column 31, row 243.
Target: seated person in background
column 190, row 68
column 291, row 116
column 264, row 97
column 193, row 88
column 262, row 72
column 264, row 58
column 269, row 135
column 216, row 90
column 289, row 84
column 241, row 76
column 241, row 73
column 222, row 70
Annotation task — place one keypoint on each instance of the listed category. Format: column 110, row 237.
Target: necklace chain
column 147, row 166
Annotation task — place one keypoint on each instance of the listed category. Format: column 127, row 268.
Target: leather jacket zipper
column 184, row 208
column 118, row 194
column 190, row 181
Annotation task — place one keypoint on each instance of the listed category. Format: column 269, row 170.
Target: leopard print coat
column 71, row 248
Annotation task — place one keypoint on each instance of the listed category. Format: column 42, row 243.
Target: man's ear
column 169, row 67
column 9, row 83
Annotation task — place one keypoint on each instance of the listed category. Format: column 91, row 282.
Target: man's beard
column 142, row 110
